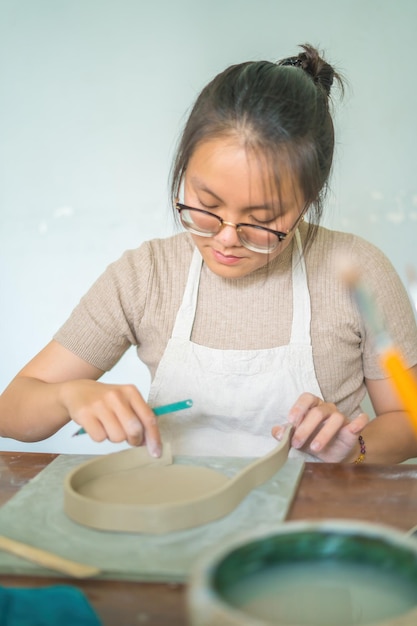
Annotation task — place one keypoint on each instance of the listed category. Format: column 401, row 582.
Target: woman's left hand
column 321, row 430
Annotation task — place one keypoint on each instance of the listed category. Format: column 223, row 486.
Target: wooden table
column 375, row 493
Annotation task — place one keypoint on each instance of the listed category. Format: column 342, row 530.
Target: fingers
column 150, row 432
column 135, row 420
column 358, row 424
column 127, row 405
column 116, row 412
column 322, row 429
column 329, row 421
column 296, row 415
column 315, row 421
column 304, row 404
column 278, row 430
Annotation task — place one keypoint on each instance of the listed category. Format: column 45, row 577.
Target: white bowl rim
column 199, row 589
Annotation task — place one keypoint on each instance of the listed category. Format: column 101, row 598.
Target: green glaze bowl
column 332, row 573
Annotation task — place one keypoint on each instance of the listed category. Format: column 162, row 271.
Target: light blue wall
column 92, row 96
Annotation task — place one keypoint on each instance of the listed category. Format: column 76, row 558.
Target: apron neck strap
column 300, row 331
column 301, row 305
column 186, row 313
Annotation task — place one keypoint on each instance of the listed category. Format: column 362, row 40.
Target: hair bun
column 313, row 64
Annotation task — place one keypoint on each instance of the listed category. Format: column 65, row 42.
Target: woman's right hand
column 57, row 385
column 114, row 412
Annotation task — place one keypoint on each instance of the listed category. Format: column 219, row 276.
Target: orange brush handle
column 403, row 380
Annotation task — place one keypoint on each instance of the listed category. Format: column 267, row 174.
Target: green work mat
column 35, row 515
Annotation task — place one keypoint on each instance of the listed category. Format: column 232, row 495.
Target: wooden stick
column 47, row 559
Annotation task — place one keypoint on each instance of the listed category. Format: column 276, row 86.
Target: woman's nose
column 228, row 235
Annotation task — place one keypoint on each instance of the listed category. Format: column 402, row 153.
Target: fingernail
column 315, row 446
column 155, row 450
column 293, row 420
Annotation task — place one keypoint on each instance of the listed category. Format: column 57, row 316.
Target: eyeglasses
column 254, row 237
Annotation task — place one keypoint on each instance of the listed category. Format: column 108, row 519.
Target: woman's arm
column 57, row 386
column 391, row 437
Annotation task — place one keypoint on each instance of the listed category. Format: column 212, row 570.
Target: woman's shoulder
column 331, row 250
column 154, row 254
column 333, row 244
column 332, row 237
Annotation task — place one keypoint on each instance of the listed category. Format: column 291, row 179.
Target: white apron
column 238, row 395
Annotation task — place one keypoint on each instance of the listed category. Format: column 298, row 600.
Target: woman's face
column 224, row 178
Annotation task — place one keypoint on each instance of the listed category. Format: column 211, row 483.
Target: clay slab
column 131, row 491
column 166, row 557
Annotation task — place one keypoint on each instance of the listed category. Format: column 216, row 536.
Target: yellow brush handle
column 47, row 559
column 404, row 381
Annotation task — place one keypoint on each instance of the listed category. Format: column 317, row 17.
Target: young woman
column 244, row 311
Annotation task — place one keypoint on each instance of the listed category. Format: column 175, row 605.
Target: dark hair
column 280, row 110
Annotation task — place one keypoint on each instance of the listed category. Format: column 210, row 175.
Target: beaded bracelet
column 361, row 457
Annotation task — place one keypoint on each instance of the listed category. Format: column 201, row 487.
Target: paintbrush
column 391, row 359
column 158, row 410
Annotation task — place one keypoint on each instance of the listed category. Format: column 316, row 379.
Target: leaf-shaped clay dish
column 132, row 492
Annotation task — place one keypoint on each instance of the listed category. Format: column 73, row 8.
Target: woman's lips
column 226, row 259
